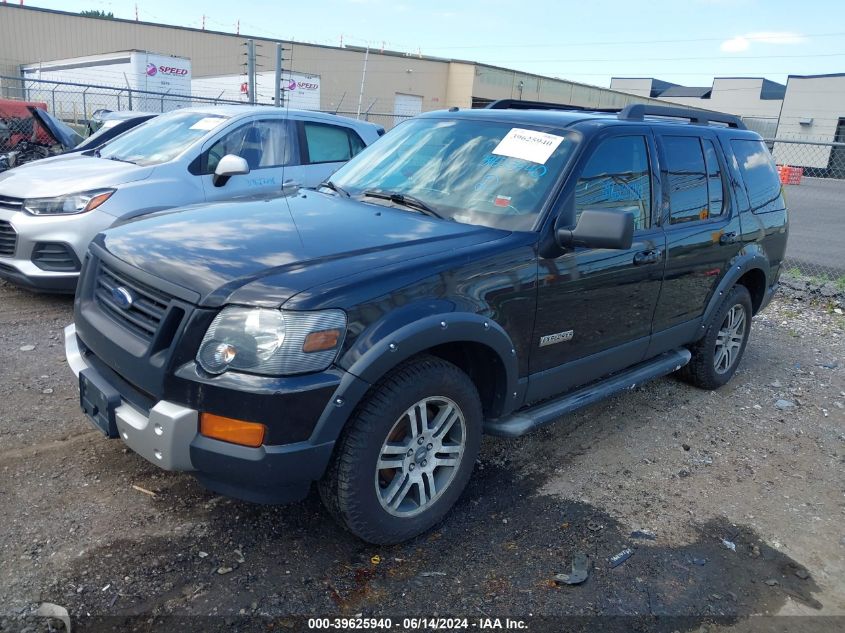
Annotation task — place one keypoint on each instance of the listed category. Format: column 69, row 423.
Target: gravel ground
column 741, row 489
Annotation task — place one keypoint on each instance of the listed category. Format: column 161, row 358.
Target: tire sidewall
column 360, row 472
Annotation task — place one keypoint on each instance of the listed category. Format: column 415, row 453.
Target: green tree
column 96, row 13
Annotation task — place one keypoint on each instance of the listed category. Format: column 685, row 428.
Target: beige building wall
column 341, row 71
column 640, row 86
column 501, row 83
column 811, row 111
column 741, row 96
column 29, row 35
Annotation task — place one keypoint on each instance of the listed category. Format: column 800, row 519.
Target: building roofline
column 788, row 77
column 158, row 24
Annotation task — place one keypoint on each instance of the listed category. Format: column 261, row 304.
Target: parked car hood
column 262, row 252
column 61, row 175
column 63, row 134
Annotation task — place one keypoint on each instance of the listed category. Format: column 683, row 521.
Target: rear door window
column 331, row 143
column 758, row 170
column 617, row 178
column 686, row 179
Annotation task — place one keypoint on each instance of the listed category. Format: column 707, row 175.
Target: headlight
column 68, row 205
column 271, row 342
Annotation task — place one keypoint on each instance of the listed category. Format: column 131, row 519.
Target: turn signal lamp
column 232, row 430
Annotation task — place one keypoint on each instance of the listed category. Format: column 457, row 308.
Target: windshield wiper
column 328, row 184
column 121, row 160
column 405, row 200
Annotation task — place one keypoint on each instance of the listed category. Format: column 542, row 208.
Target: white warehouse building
column 809, row 109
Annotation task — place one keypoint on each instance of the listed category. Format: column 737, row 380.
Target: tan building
column 396, row 84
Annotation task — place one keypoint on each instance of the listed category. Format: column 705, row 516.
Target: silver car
column 52, row 208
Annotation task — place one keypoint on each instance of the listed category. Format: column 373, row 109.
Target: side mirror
column 230, row 165
column 599, row 229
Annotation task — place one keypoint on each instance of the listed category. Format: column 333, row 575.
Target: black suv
column 473, row 271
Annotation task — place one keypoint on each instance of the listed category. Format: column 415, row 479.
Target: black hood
column 264, row 251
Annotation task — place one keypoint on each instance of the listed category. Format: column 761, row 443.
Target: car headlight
column 68, row 205
column 271, row 342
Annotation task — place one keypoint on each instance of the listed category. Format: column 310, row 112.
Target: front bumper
column 73, row 232
column 168, row 436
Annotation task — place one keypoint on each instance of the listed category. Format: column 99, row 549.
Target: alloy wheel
column 420, row 456
column 729, row 339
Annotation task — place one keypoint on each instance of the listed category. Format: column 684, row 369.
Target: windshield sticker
column 207, row 123
column 502, row 201
column 528, row 145
column 532, row 169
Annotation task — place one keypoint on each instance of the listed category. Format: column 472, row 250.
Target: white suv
column 51, row 209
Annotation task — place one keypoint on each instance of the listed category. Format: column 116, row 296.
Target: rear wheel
column 406, row 454
column 716, row 356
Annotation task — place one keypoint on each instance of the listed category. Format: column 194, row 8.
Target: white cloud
column 741, row 43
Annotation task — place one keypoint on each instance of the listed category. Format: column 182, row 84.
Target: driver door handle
column 651, row 256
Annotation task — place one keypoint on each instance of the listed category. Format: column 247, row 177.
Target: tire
column 708, row 369
column 390, row 505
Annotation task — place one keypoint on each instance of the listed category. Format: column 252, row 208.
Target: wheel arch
column 476, row 344
column 749, row 270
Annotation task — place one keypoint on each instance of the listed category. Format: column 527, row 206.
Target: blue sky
column 683, row 41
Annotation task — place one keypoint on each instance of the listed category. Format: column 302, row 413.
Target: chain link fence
column 813, row 178
column 77, row 103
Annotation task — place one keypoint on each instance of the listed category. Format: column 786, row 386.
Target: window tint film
column 760, row 175
column 261, row 143
column 331, row 143
column 686, row 179
column 714, row 178
column 617, row 177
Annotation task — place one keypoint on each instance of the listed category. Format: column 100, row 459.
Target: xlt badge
column 558, row 337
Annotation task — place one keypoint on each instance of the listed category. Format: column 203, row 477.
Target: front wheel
column 406, row 454
column 716, row 356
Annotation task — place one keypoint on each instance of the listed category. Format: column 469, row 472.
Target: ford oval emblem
column 123, row 297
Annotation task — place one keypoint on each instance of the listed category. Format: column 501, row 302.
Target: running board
column 525, row 420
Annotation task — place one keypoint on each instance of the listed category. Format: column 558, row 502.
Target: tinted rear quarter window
column 760, row 175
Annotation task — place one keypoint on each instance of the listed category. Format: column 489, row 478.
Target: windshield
column 475, row 172
column 161, row 139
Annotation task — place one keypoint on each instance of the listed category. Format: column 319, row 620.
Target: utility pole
column 250, row 70
column 277, row 93
column 363, row 78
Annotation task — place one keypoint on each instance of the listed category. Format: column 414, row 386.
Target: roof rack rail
column 519, row 104
column 638, row 111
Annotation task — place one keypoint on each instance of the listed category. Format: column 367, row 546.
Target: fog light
column 232, row 430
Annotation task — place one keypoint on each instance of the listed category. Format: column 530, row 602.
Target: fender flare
column 404, row 343
column 739, row 266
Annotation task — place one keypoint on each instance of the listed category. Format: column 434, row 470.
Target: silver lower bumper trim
column 163, row 437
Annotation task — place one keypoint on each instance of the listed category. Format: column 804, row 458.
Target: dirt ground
column 741, row 498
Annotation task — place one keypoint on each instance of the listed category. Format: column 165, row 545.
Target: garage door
column 405, row 107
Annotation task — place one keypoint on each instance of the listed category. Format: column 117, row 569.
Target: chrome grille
column 8, row 239
column 147, row 309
